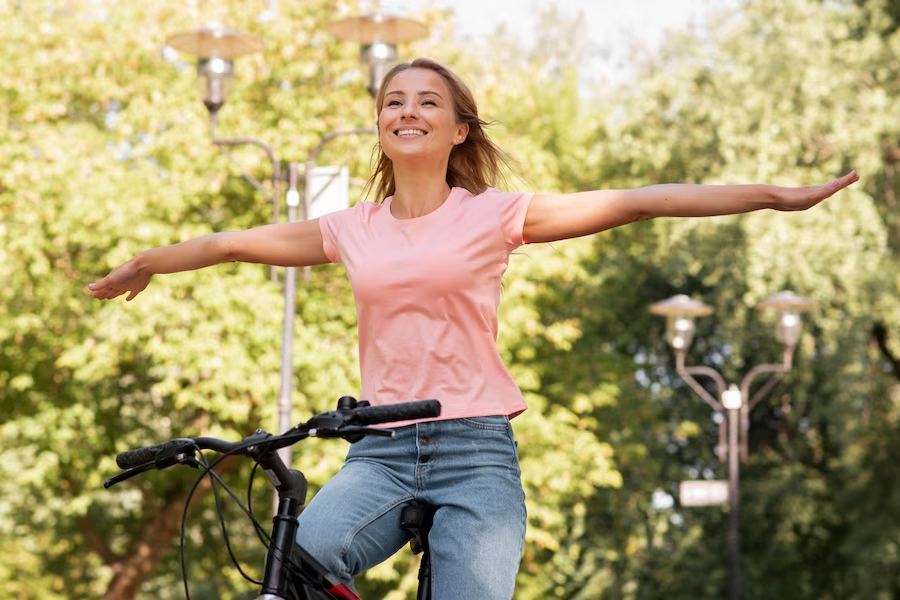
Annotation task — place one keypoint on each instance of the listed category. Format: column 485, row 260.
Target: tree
column 769, row 94
column 106, row 157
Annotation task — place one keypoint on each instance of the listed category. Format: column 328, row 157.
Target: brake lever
column 128, row 474
column 351, row 433
column 354, row 433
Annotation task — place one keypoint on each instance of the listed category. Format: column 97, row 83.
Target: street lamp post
column 216, row 48
column 680, row 312
column 378, row 35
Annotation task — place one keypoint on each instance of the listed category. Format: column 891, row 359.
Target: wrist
column 143, row 263
column 773, row 196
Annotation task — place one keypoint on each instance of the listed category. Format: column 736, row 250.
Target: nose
column 409, row 110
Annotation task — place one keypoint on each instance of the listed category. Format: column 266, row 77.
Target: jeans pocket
column 493, row 423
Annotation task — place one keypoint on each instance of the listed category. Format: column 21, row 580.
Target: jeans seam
column 370, row 517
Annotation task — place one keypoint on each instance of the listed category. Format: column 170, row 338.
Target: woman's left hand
column 801, row 198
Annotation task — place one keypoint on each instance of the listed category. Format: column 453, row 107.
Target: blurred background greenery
column 105, row 152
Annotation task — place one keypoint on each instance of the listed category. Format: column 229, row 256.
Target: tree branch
column 879, row 335
column 96, row 543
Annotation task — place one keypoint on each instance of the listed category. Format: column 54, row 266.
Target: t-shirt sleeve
column 511, row 209
column 336, row 225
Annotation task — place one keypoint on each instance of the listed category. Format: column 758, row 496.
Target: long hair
column 476, row 164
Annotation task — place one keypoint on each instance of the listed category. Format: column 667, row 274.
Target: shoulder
column 495, row 197
column 504, row 210
column 361, row 211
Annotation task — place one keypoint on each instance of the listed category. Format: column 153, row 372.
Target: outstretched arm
column 553, row 217
column 291, row 245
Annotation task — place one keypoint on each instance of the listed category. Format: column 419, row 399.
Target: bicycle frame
column 285, row 556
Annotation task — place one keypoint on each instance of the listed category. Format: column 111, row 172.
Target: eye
column 429, row 102
column 393, row 103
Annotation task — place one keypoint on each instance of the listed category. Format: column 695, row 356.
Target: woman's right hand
column 296, row 244
column 126, row 278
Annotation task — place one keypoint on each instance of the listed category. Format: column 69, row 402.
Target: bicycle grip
column 141, row 456
column 406, row 411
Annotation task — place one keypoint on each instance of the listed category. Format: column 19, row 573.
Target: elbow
column 641, row 214
column 635, row 207
column 224, row 247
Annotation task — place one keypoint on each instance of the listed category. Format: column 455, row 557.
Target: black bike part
column 407, row 411
column 349, row 403
column 127, row 475
column 417, row 518
column 336, row 423
column 346, row 403
column 141, row 456
column 284, row 530
column 320, row 584
column 290, row 483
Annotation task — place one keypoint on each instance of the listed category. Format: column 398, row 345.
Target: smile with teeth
column 406, row 132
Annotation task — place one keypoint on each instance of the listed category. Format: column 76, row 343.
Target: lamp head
column 790, row 323
column 215, row 77
column 680, row 312
column 378, row 35
column 215, row 47
column 378, row 55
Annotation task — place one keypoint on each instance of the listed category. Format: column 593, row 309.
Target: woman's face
column 417, row 121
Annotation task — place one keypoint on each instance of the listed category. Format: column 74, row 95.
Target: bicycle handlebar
column 406, row 411
column 338, row 423
column 140, row 456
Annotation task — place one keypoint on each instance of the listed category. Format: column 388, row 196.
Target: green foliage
column 106, row 153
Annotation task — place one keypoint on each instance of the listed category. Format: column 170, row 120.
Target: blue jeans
column 467, row 468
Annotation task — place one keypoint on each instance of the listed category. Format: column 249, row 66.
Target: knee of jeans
column 324, row 548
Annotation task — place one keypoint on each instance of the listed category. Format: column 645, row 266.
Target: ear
column 462, row 132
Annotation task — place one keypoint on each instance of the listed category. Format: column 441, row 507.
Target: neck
column 418, row 192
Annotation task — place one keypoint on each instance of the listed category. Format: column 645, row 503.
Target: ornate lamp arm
column 687, row 374
column 777, row 370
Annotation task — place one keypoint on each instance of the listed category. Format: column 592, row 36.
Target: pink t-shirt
column 427, row 291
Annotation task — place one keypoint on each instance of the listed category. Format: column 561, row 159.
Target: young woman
column 425, row 266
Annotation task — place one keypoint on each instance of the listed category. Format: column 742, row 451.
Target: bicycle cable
column 215, row 479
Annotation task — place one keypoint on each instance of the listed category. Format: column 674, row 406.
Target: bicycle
column 290, row 572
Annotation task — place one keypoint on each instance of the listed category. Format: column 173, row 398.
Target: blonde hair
column 476, row 164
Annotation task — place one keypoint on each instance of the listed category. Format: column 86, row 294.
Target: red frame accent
column 343, row 592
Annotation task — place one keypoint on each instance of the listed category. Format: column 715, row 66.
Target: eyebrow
column 423, row 93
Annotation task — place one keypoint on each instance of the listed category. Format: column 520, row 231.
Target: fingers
column 105, row 292
column 842, row 182
column 830, row 189
column 122, row 280
column 803, row 198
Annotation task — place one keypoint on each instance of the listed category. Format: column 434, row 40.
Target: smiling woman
column 425, row 263
column 418, row 128
column 425, row 96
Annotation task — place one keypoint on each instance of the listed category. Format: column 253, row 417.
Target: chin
column 410, row 156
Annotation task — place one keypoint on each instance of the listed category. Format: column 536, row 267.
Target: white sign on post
column 329, row 190
column 703, row 493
